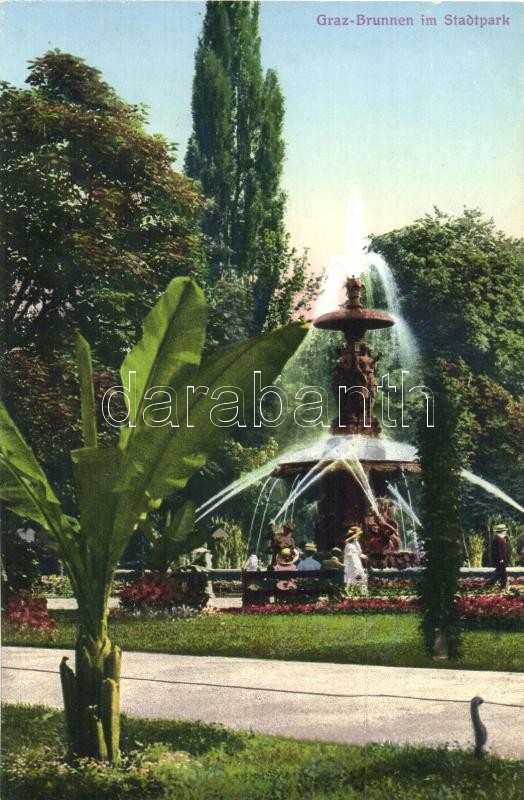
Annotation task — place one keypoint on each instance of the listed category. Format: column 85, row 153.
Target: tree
column 443, row 449
column 236, row 152
column 461, row 283
column 95, row 220
column 118, row 486
column 497, row 448
column 95, row 223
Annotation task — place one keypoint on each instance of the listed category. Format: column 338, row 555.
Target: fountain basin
column 374, row 452
column 355, row 321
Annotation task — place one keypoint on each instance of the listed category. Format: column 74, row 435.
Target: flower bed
column 392, row 587
column 163, row 592
column 504, row 609
column 30, row 613
column 401, row 587
column 486, row 585
column 501, row 610
column 370, row 605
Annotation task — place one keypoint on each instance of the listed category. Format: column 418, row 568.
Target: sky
column 411, row 116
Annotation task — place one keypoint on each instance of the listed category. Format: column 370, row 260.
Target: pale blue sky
column 413, row 116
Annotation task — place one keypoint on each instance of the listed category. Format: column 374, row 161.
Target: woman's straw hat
column 353, row 533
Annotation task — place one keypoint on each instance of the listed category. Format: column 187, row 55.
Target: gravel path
column 330, row 702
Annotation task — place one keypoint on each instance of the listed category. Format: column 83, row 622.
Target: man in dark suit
column 500, row 554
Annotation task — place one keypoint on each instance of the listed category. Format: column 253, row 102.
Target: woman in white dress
column 354, row 572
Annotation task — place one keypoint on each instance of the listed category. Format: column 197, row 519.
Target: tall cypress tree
column 236, row 152
column 443, row 450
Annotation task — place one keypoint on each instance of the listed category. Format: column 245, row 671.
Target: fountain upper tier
column 353, row 318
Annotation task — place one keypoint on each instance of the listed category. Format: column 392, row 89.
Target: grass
column 385, row 639
column 193, row 761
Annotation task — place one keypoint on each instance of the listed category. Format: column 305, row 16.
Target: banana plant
column 116, row 487
column 180, row 534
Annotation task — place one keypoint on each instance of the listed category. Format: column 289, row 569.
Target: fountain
column 355, row 464
column 357, row 468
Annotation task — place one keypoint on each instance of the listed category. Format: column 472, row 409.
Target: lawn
column 192, row 761
column 385, row 639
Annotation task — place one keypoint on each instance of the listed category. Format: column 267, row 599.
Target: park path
column 330, row 702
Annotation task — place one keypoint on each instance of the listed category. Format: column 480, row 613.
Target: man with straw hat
column 354, row 572
column 500, row 554
column 309, row 563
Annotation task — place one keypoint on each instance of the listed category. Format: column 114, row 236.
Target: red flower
column 470, row 608
column 26, row 611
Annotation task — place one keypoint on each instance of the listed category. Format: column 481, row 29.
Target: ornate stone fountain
column 355, row 456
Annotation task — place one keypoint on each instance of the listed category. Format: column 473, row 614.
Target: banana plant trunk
column 92, row 694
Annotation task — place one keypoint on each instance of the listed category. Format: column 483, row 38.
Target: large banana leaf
column 87, row 391
column 160, row 461
column 96, row 472
column 24, row 485
column 171, row 345
column 26, row 491
column 176, row 537
column 116, row 487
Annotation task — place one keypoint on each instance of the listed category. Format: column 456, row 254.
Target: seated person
column 309, row 563
column 334, row 562
column 286, row 559
column 283, row 539
column 286, row 562
column 251, row 565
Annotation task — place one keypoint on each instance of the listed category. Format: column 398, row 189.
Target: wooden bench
column 289, row 585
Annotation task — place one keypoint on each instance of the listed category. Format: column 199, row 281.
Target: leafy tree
column 443, row 449
column 95, row 223
column 95, row 220
column 497, row 431
column 461, row 282
column 461, row 286
column 236, row 152
column 118, row 486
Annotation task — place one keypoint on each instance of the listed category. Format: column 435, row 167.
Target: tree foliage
column 236, row 152
column 95, row 220
column 460, row 281
column 461, row 285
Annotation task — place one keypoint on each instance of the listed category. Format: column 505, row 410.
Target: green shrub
column 20, row 565
column 229, row 551
column 54, row 586
column 475, row 543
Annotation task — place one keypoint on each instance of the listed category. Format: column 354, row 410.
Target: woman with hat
column 286, row 562
column 354, row 572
